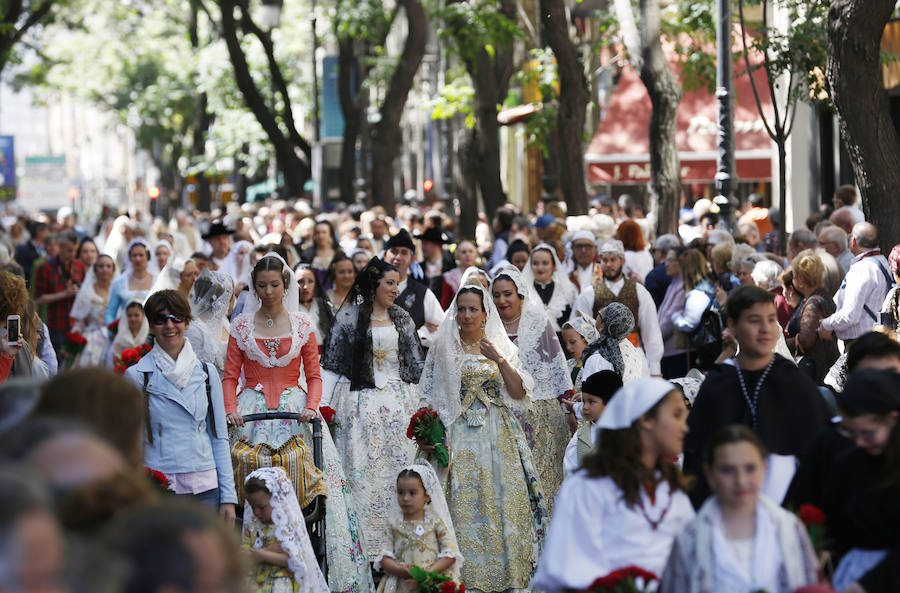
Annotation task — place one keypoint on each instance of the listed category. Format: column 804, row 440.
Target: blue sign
column 332, row 116
column 7, row 168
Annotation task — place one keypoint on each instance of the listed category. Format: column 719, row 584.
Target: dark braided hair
column 363, row 294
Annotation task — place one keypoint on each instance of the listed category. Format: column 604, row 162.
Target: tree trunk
column 854, row 73
column 573, row 100
column 386, row 134
column 464, row 174
column 484, row 150
column 665, row 95
column 202, row 120
column 296, row 170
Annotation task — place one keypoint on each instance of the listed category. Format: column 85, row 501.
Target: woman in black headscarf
column 371, row 367
column 860, row 497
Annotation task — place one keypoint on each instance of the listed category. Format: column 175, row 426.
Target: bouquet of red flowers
column 631, row 579
column 75, row 343
column 130, row 357
column 158, row 479
column 435, row 582
column 113, row 328
column 426, row 425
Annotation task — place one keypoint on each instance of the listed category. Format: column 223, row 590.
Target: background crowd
column 609, row 398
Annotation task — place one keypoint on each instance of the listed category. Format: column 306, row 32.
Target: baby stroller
column 293, row 457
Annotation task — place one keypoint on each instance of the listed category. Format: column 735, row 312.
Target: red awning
column 619, row 151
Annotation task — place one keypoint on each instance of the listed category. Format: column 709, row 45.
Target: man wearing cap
column 584, row 258
column 612, row 286
column 421, row 304
column 435, row 260
column 219, row 238
column 541, row 224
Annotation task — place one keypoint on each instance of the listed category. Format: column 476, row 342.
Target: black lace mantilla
column 348, row 352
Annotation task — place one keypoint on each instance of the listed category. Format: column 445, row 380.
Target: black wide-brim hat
column 216, row 229
column 434, row 235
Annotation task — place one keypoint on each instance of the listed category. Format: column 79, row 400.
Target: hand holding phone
column 13, row 330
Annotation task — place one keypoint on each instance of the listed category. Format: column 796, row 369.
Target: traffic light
column 153, row 192
column 74, row 193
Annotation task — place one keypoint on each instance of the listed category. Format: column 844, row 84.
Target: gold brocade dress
column 495, row 498
column 419, row 543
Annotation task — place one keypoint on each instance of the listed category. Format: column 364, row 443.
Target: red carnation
column 130, row 356
column 158, row 478
column 448, row 587
column 145, row 348
column 461, row 588
column 327, row 413
column 810, row 514
column 615, row 578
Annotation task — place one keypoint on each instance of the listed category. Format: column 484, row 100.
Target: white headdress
column 632, row 401
column 237, row 265
column 210, row 297
column 290, row 529
column 155, row 262
column 438, row 507
column 170, row 276
column 129, row 269
column 87, row 296
column 291, row 298
column 539, row 348
column 564, row 292
column 584, row 325
column 441, row 378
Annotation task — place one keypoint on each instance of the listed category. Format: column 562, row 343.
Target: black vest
column 413, row 300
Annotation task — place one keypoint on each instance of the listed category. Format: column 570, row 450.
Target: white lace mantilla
column 242, row 331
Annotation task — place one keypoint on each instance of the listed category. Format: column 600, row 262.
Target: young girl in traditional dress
column 577, row 334
column 419, row 532
column 627, row 503
column 275, row 535
column 596, row 393
column 740, row 540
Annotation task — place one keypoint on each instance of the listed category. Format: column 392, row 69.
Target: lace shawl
column 564, row 292
column 442, row 375
column 617, row 324
column 87, row 297
column 242, row 332
column 290, row 529
column 339, row 355
column 539, row 348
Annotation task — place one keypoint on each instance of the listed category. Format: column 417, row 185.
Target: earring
column 482, row 325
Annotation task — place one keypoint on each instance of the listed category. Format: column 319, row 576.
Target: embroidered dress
column 416, row 542
column 267, row 578
column 493, row 491
column 371, row 434
column 271, row 367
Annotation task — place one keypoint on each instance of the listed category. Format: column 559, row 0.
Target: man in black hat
column 435, row 259
column 422, row 305
column 219, row 238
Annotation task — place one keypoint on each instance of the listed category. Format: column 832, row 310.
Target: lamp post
column 725, row 138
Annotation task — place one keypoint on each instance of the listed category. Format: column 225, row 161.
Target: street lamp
column 725, row 138
column 271, row 14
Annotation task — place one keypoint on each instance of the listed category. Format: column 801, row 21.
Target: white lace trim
column 290, row 528
column 564, row 292
column 242, row 331
column 541, row 354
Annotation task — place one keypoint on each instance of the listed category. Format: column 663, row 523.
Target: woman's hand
column 572, row 422
column 307, row 415
column 226, row 511
column 235, row 419
column 489, row 351
column 827, row 335
column 10, row 350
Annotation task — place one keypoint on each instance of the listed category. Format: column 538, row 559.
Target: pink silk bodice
column 274, row 380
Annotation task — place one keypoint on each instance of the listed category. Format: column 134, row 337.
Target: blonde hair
column 721, row 256
column 809, row 267
column 693, row 268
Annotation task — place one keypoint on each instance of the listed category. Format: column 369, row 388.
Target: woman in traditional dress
column 134, row 284
column 473, row 379
column 210, row 299
column 314, row 303
column 465, row 255
column 237, row 264
column 372, row 364
column 612, row 351
column 270, row 342
column 551, row 283
column 542, row 357
column 89, row 310
column 162, row 253
column 179, row 275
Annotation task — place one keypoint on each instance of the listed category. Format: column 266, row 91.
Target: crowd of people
column 606, row 401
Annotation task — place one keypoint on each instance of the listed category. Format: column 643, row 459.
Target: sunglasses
column 161, row 319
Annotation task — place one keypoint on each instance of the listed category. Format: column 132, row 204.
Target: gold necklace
column 467, row 345
column 384, row 317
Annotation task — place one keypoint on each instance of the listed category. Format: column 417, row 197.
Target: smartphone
column 13, row 331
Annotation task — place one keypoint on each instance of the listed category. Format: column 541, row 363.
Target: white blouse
column 594, row 532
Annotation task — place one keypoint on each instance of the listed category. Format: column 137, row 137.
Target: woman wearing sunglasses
column 186, row 435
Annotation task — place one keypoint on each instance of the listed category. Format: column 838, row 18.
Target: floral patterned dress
column 495, row 497
column 415, row 542
column 266, row 578
column 371, row 434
